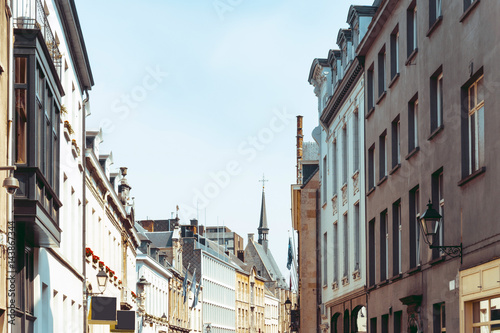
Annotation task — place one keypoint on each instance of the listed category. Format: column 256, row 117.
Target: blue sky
column 198, row 99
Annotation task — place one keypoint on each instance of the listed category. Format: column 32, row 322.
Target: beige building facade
column 5, row 199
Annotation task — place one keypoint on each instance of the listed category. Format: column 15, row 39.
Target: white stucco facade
column 219, row 279
column 271, row 313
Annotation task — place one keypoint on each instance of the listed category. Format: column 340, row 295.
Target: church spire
column 263, row 228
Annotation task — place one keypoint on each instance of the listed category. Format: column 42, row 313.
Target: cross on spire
column 263, row 181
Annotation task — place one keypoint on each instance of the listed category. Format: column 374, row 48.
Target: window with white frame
column 397, row 238
column 346, row 246
column 485, row 315
column 475, row 125
column 323, row 180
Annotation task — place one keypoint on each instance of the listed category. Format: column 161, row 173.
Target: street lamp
column 430, row 223
column 209, row 328
column 102, row 280
column 288, row 305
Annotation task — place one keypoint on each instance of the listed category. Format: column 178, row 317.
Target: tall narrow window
column 384, row 247
column 355, row 142
column 396, row 238
column 373, row 325
column 381, row 72
column 383, row 155
column 371, row 252
column 436, row 95
column 344, row 155
column 346, row 246
column 325, row 259
column 434, row 11
column 385, row 323
column 439, row 318
column 468, row 3
column 395, row 53
column 413, row 124
column 357, row 240
column 335, row 252
column 438, row 204
column 324, row 179
column 21, row 104
column 334, row 166
column 371, row 167
column 411, row 20
column 396, row 141
column 473, row 132
column 398, row 321
column 414, row 228
column 370, row 92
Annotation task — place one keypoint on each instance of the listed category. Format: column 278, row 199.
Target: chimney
column 300, row 138
column 250, row 237
column 241, row 255
column 124, row 188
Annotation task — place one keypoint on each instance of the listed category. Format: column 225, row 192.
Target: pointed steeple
column 263, row 228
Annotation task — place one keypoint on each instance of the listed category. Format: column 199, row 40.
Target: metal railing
column 30, row 14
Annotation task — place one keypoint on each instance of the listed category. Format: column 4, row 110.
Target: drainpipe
column 10, row 159
column 84, row 207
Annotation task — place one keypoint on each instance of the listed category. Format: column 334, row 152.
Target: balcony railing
column 30, row 14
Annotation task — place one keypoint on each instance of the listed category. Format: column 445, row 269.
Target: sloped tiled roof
column 270, row 264
column 161, row 239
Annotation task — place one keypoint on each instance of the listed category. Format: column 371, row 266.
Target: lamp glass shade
column 102, row 279
column 429, row 222
column 288, row 304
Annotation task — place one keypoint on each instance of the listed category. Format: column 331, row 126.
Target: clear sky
column 198, row 99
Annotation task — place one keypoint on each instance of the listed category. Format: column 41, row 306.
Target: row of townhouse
column 66, row 228
column 215, row 290
column 406, row 128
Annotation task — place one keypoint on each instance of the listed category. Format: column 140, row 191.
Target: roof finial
column 264, row 180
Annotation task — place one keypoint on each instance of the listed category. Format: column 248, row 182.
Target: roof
column 270, row 264
column 263, row 216
column 160, row 239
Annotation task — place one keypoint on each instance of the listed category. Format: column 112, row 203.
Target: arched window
column 334, row 323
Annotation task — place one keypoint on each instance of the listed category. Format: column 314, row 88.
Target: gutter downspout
column 84, row 207
column 10, row 159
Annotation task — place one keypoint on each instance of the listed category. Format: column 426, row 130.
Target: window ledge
column 372, row 287
column 435, row 132
column 370, row 112
column 434, row 25
column 370, row 191
column 412, row 153
column 397, row 277
column 383, row 283
column 412, row 56
column 394, row 79
column 414, row 270
column 469, row 10
column 396, row 168
column 381, row 97
column 472, row 176
column 382, row 180
column 437, row 260
column 325, row 286
column 324, row 205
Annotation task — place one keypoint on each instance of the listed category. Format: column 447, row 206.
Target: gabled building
column 51, row 80
column 110, row 237
column 153, row 286
column 259, row 255
column 338, row 84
